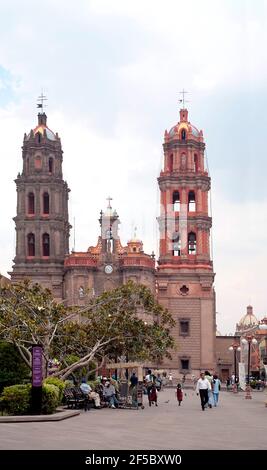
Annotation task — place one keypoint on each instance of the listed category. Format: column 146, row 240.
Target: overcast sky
column 112, row 72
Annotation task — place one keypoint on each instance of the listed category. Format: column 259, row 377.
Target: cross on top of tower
column 182, row 100
column 41, row 98
column 109, row 199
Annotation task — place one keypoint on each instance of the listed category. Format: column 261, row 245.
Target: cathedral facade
column 182, row 279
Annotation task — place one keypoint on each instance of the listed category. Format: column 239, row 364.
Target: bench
column 75, row 398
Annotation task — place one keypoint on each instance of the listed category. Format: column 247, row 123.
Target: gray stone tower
column 42, row 222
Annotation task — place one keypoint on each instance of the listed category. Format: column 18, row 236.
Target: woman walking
column 179, row 394
column 216, row 389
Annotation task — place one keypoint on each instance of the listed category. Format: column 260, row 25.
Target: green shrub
column 93, row 383
column 13, row 370
column 15, row 400
column 50, row 398
column 58, row 383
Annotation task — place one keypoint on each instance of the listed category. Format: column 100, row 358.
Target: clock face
column 108, row 269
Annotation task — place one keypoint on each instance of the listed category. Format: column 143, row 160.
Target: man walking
column 203, row 386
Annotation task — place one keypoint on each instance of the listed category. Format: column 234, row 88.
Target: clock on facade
column 108, row 269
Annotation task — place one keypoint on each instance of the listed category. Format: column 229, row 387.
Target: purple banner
column 37, row 366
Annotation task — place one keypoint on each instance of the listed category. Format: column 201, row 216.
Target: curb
column 34, row 418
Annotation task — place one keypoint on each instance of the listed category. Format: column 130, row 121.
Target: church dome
column 42, row 128
column 185, row 125
column 249, row 320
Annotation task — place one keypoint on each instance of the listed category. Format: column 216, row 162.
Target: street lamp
column 235, row 347
column 248, row 340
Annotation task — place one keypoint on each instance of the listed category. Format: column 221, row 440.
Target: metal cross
column 183, row 92
column 109, row 199
column 41, row 98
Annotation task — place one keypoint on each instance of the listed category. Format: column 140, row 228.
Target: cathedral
column 181, row 279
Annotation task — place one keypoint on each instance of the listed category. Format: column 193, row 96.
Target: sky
column 112, row 72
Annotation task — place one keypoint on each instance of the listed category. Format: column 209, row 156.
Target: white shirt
column 85, row 388
column 203, row 384
column 149, row 378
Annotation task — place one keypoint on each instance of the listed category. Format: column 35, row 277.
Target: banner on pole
column 242, row 375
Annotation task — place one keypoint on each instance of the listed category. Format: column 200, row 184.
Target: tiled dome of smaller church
column 247, row 321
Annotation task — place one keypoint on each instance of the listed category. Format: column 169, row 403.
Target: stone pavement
column 236, row 424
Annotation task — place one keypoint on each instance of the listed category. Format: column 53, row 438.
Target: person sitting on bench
column 87, row 390
column 110, row 395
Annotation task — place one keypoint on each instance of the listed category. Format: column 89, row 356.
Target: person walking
column 149, row 380
column 202, row 388
column 216, row 389
column 179, row 394
column 209, row 377
column 152, row 395
column 133, row 389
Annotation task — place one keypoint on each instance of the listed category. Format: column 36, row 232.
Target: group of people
column 208, row 387
column 104, row 392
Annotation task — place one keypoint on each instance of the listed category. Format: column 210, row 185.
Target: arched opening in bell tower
column 176, row 201
column 50, row 165
column 46, row 244
column 46, row 203
column 31, row 244
column 192, row 243
column 191, row 201
column 31, row 204
column 176, row 244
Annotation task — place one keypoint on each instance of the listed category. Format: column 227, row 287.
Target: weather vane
column 41, row 98
column 182, row 100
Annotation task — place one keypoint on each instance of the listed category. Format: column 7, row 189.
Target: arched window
column 50, row 165
column 31, row 244
column 192, row 243
column 27, row 166
column 176, row 201
column 191, row 201
column 31, row 208
column 39, row 137
column 183, row 134
column 46, row 244
column 195, row 162
column 46, row 203
column 176, row 244
column 170, row 162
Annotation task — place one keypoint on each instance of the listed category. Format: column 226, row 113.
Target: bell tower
column 185, row 270
column 42, row 222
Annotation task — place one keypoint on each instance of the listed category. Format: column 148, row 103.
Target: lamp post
column 235, row 347
column 248, row 339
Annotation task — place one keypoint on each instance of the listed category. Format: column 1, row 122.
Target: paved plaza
column 236, row 424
